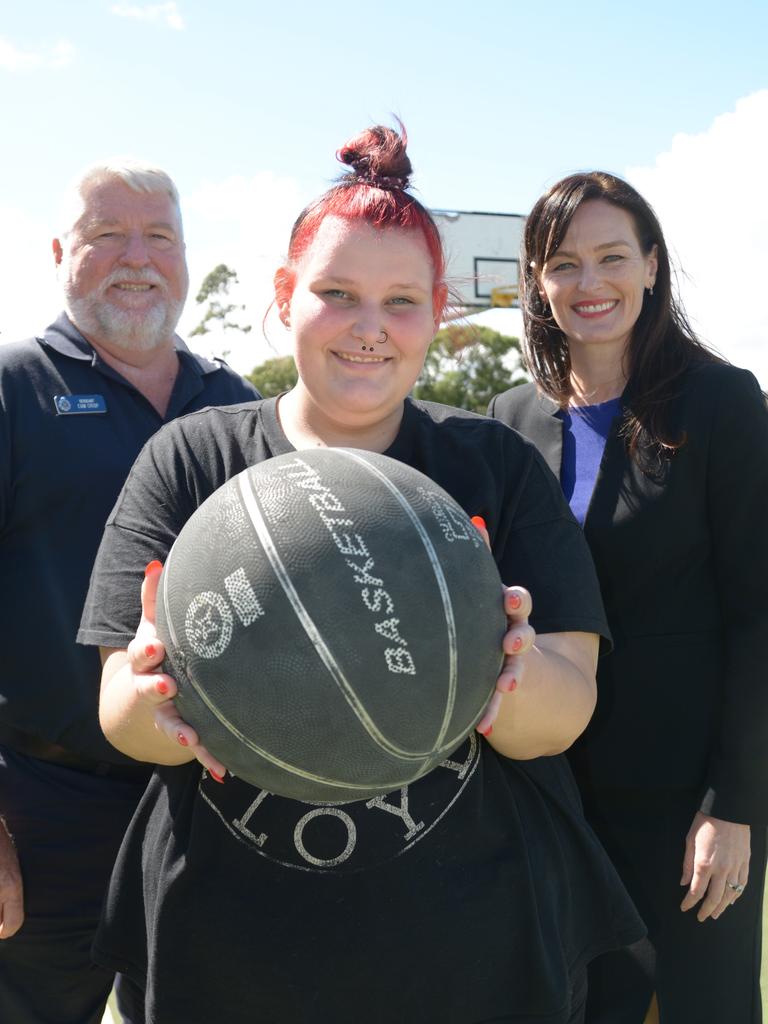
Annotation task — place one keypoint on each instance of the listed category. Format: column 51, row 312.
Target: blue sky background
column 245, row 103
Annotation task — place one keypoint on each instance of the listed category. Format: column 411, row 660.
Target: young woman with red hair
column 476, row 893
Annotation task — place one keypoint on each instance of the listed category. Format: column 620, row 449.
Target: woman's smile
column 594, row 309
column 358, row 357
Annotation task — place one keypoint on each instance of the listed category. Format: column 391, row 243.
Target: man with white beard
column 77, row 403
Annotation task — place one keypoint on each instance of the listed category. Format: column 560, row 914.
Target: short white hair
column 136, row 174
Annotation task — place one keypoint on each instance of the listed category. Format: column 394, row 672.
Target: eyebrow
column 108, row 222
column 351, row 281
column 598, row 248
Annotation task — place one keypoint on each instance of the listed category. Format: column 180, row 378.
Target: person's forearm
column 128, row 721
column 554, row 700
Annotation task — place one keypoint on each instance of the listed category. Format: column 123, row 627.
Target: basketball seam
column 442, row 585
column 310, row 628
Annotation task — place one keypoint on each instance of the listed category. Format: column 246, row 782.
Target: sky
column 245, row 104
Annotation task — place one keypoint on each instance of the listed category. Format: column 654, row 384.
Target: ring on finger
column 736, row 887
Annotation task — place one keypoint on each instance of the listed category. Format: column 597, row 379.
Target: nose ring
column 379, row 341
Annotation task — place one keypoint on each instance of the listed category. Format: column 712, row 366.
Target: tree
column 214, row 290
column 466, row 366
column 274, row 376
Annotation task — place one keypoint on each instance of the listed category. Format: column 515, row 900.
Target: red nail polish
column 486, row 731
column 150, row 650
column 515, row 600
column 152, row 566
column 479, row 522
column 215, row 775
column 517, row 643
column 161, row 686
column 182, row 739
column 510, row 685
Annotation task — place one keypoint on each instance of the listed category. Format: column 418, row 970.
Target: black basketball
column 334, row 622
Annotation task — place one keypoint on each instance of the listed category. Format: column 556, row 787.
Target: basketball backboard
column 483, row 255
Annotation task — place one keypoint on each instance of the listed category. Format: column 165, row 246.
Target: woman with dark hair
column 476, row 893
column 662, row 451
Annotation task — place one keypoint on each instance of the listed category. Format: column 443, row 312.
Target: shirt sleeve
column 737, row 496
column 6, row 463
column 150, row 511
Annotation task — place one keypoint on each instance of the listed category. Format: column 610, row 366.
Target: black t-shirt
column 470, row 896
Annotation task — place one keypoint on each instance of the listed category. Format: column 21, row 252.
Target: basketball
column 334, row 623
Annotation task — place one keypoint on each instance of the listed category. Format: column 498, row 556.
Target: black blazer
column 681, row 551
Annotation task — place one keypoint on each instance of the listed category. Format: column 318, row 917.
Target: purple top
column 585, row 431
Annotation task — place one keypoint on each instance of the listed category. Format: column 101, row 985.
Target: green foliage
column 214, row 290
column 466, row 366
column 274, row 376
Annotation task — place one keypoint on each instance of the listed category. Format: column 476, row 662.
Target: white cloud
column 62, row 54
column 59, row 55
column 169, row 13
column 709, row 191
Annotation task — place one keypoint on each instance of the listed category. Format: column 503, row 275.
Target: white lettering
column 326, row 501
column 240, row 823
column 365, row 577
column 388, row 629
column 348, row 546
column 333, row 812
column 462, row 767
column 244, row 601
column 323, row 501
column 374, row 602
column 399, row 661
column 452, row 520
column 401, row 812
column 331, row 521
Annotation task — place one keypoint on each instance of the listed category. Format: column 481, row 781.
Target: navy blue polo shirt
column 70, row 430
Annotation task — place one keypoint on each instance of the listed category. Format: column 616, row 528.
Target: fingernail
column 507, row 685
column 150, row 650
column 152, row 566
column 162, row 688
column 479, row 522
column 215, row 775
column 515, row 600
column 182, row 739
column 485, row 725
column 517, row 643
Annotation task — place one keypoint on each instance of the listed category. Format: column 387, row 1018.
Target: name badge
column 76, row 405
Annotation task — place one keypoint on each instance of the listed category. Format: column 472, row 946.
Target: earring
column 650, row 292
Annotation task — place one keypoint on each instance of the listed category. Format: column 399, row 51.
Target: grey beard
column 95, row 316
column 138, row 332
